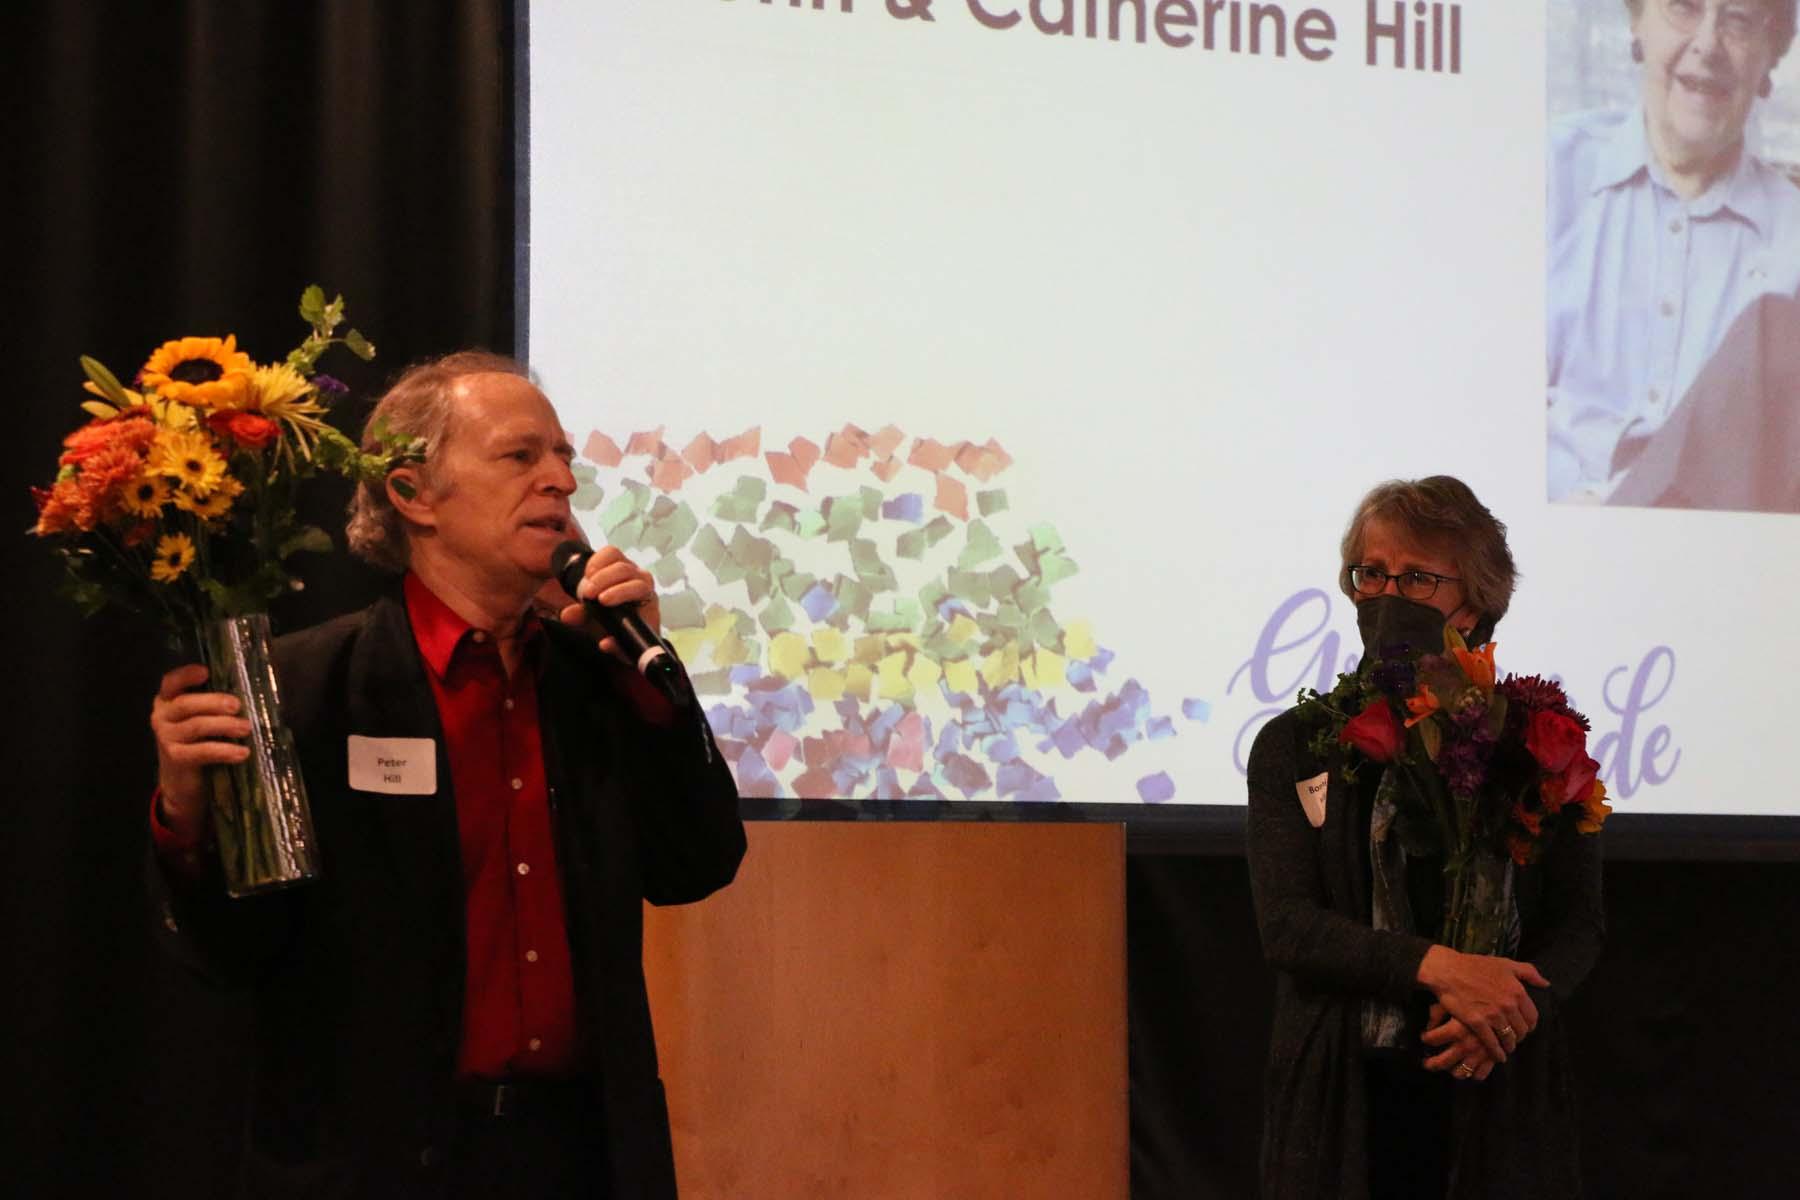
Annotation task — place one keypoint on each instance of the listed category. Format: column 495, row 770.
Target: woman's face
column 1389, row 546
column 1703, row 63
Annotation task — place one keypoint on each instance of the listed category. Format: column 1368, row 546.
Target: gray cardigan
column 1515, row 1132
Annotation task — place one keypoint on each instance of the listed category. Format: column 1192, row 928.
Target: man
column 457, row 1006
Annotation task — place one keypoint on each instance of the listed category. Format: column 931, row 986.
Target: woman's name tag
column 1312, row 797
column 396, row 766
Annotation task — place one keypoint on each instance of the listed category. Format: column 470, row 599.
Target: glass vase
column 260, row 814
column 1481, row 916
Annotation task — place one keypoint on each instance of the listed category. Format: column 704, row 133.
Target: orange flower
column 134, row 431
column 1594, row 809
column 104, row 477
column 61, row 508
column 1478, row 665
column 247, row 429
column 1421, row 705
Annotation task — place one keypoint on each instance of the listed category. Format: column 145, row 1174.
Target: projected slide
column 988, row 383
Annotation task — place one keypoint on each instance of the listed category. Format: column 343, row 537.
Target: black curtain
column 186, row 168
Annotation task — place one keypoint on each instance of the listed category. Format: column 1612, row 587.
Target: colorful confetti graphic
column 866, row 617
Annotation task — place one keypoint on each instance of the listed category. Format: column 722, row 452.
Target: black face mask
column 1395, row 627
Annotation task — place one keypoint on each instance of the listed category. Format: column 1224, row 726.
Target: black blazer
column 357, row 978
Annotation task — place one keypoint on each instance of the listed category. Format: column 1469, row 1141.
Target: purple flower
column 327, row 383
column 1463, row 765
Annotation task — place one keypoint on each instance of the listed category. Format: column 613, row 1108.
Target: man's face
column 500, row 487
column 1703, row 63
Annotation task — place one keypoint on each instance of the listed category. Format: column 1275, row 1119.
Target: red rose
column 1554, row 739
column 250, row 430
column 1374, row 731
column 1578, row 780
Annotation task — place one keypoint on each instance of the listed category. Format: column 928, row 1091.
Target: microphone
column 568, row 562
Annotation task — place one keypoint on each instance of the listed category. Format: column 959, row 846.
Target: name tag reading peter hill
column 396, row 766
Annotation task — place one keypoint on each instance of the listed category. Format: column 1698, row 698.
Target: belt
column 524, row 1098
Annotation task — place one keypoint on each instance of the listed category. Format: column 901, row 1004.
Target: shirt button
column 1655, row 396
column 517, row 784
column 428, row 1156
column 531, row 956
column 508, row 703
column 524, row 868
column 1675, row 225
column 1668, row 308
column 534, row 1044
column 480, row 635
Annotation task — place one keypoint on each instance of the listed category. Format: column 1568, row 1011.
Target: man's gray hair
column 419, row 404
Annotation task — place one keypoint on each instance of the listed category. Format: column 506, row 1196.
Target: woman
column 1484, row 1107
column 1663, row 233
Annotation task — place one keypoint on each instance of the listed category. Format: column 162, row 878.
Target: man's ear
column 406, row 492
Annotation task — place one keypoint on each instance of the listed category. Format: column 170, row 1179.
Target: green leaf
column 359, row 345
column 312, row 304
column 309, row 538
column 1431, row 737
column 105, row 380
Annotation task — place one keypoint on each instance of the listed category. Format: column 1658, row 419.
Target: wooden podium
column 900, row 1010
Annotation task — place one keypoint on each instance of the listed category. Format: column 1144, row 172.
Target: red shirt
column 519, row 990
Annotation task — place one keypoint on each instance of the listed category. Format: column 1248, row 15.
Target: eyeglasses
column 1414, row 585
column 1739, row 24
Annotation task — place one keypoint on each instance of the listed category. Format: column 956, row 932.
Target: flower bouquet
column 1478, row 773
column 177, row 498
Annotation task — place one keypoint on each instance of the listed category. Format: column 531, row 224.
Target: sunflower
column 146, row 497
column 214, row 506
column 204, row 372
column 174, row 555
column 189, row 457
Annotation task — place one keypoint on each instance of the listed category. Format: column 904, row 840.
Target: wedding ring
column 1465, row 1071
column 1505, row 1031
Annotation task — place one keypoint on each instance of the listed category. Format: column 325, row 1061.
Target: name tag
column 396, row 766
column 1312, row 797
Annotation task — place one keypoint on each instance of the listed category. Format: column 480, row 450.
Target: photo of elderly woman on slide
column 1673, row 266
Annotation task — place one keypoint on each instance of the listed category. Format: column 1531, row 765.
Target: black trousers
column 536, row 1140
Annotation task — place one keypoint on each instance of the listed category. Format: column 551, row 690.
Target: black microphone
column 568, row 562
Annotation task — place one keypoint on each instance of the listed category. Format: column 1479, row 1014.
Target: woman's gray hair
column 418, row 404
column 1442, row 514
column 1781, row 26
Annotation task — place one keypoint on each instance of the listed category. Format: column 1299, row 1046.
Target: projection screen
column 989, row 382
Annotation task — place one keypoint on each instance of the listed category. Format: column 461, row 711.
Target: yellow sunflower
column 190, row 458
column 146, row 496
column 204, row 372
column 214, row 506
column 174, row 555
